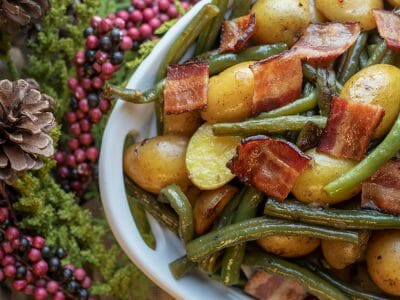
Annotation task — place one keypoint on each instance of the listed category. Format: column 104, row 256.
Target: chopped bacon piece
column 277, row 82
column 264, row 286
column 186, row 87
column 236, row 33
column 382, row 190
column 388, row 24
column 325, row 42
column 349, row 129
column 270, row 165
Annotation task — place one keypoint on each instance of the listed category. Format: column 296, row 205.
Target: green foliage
column 165, row 27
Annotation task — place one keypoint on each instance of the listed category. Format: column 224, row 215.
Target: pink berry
column 80, row 71
column 107, row 68
column 86, row 139
column 12, row 233
column 172, row 11
column 148, row 14
column 8, row 260
column 129, row 25
column 123, row 14
column 101, row 57
column 76, row 185
column 92, row 153
column 29, row 276
column 2, row 276
column 52, row 286
column 69, row 266
column 163, row 4
column 136, row 16
column 79, row 92
column 41, row 282
column 59, row 296
column 34, row 255
column 97, row 67
column 185, row 5
column 73, row 144
column 7, row 247
column 134, row 33
column 80, row 115
column 84, row 169
column 9, row 270
column 73, row 82
column 70, row 160
column 95, row 21
column 2, row 255
column 40, row 268
column 106, row 76
column 70, row 117
column 80, row 155
column 92, row 42
column 59, row 157
column 19, row 285
column 40, row 294
column 139, row 4
column 155, row 23
column 86, row 283
column 38, row 242
column 29, row 289
column 105, row 25
column 80, row 274
column 111, row 16
column 4, row 214
column 97, row 83
column 95, row 115
column 126, row 43
column 79, row 59
column 119, row 23
column 163, row 18
column 75, row 129
column 145, row 31
column 15, row 244
column 104, row 105
column 84, row 105
column 63, row 171
column 149, row 3
column 85, row 125
column 86, row 84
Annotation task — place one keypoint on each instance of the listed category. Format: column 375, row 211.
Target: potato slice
column 209, row 205
column 206, row 158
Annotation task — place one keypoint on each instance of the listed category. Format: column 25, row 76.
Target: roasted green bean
column 258, row 228
column 309, row 136
column 267, row 125
column 363, row 59
column 311, row 73
column 325, row 83
column 369, row 165
column 180, row 203
column 161, row 212
column 233, row 256
column 389, row 57
column 280, row 267
column 186, row 38
column 378, row 54
column 181, row 266
column 338, row 218
column 240, row 8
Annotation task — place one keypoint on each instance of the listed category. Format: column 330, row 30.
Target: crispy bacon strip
column 264, row 286
column 236, row 33
column 270, row 165
column 186, row 87
column 382, row 190
column 349, row 129
column 325, row 42
column 388, row 24
column 277, row 82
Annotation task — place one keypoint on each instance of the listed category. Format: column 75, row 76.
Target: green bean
column 181, row 266
column 338, row 218
column 142, row 223
column 233, row 256
column 283, row 268
column 187, row 37
column 240, row 8
column 311, row 73
column 389, row 57
column 219, row 62
column 159, row 111
column 369, row 165
column 267, row 125
column 371, row 48
column 378, row 54
column 341, row 62
column 346, row 288
column 258, row 228
column 162, row 213
column 298, row 106
column 363, row 59
column 204, row 34
column 180, row 203
column 309, row 136
column 351, row 64
column 325, row 89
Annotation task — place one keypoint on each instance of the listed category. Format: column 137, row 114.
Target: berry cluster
column 35, row 269
column 106, row 41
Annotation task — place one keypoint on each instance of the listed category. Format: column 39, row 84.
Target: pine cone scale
column 15, row 156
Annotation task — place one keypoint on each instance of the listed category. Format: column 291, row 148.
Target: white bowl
column 124, row 118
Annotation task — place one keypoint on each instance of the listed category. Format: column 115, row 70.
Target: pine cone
column 20, row 13
column 26, row 119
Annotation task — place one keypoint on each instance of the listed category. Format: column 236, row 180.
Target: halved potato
column 206, row 158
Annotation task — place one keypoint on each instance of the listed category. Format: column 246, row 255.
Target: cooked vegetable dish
column 277, row 155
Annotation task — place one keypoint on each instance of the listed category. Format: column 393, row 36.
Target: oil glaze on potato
column 280, row 20
column 378, row 85
column 157, row 162
column 209, row 205
column 308, row 187
column 230, row 95
column 206, row 158
column 182, row 124
column 395, row 3
column 350, row 11
column 383, row 260
column 341, row 254
column 289, row 246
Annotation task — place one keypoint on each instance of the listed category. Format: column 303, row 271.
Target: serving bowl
column 124, row 118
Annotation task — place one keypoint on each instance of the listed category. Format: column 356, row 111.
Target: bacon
column 382, row 190
column 264, row 286
column 236, row 33
column 186, row 87
column 270, row 165
column 324, row 42
column 349, row 129
column 388, row 24
column 277, row 82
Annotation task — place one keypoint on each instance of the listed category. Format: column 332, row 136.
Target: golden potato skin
column 341, row 254
column 280, row 20
column 289, row 246
column 378, row 85
column 230, row 95
column 157, row 162
column 350, row 11
column 308, row 187
column 316, row 15
column 383, row 260
column 182, row 124
column 395, row 3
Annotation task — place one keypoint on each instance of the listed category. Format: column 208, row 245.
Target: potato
column 209, row 205
column 230, row 95
column 280, row 20
column 289, row 246
column 350, row 11
column 379, row 85
column 383, row 260
column 341, row 254
column 182, row 124
column 395, row 3
column 206, row 158
column 316, row 15
column 157, row 162
column 308, row 187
